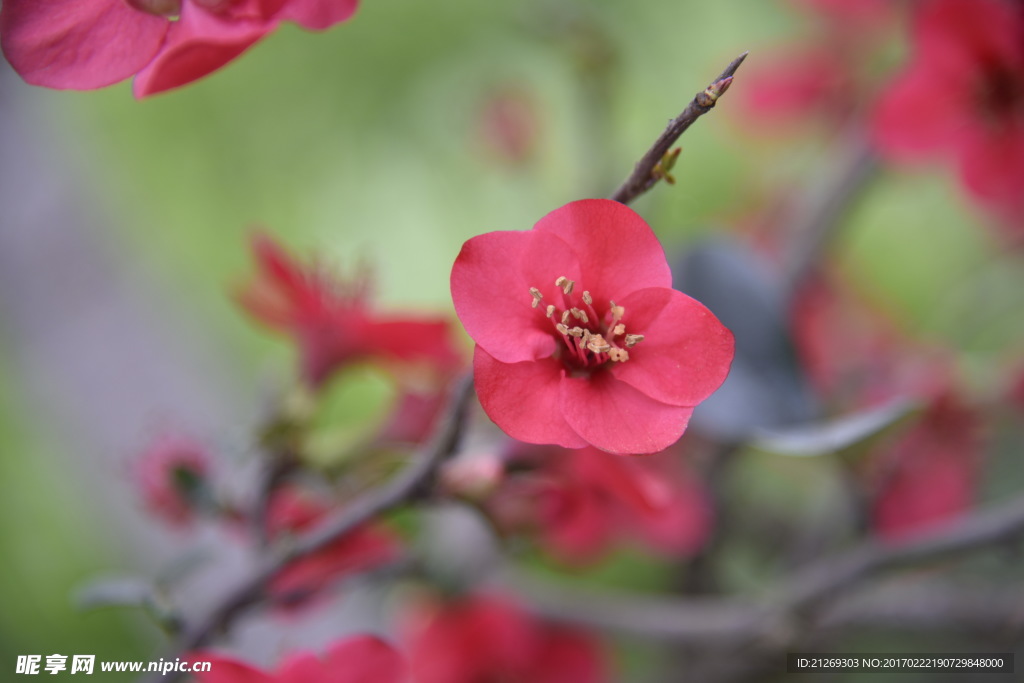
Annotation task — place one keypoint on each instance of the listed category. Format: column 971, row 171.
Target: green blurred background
column 125, row 227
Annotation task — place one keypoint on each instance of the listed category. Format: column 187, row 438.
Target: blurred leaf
column 839, row 435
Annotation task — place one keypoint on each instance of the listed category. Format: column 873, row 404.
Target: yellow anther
column 579, row 315
column 537, row 296
column 565, row 317
column 618, row 329
column 597, row 344
column 576, row 332
column 587, row 299
column 633, row 339
column 618, row 355
column 565, row 283
column 550, row 311
column 618, row 312
column 562, row 328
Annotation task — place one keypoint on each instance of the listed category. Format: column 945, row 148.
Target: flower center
column 1001, row 93
column 161, row 8
column 590, row 338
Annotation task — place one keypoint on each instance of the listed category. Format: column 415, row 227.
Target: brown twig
column 819, row 213
column 409, row 484
column 645, row 174
column 795, row 602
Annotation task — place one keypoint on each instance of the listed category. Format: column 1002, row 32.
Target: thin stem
column 412, row 482
column 644, row 176
column 819, row 213
column 795, row 603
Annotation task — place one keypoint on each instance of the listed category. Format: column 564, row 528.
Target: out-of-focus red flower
column 508, row 125
column 812, row 81
column 929, row 475
column 582, row 501
column 332, row 323
column 962, row 97
column 171, row 476
column 88, row 44
column 485, row 638
column 295, row 512
column 823, row 76
column 580, row 339
column 361, row 659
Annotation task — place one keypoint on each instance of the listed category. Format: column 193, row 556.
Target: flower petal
column 686, row 351
column 617, row 250
column 197, row 45
column 363, row 659
column 615, row 417
column 922, row 111
column 78, row 44
column 317, row 15
column 491, row 282
column 523, row 399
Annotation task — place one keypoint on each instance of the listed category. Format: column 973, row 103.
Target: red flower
column 364, row 548
column 486, row 638
column 581, row 501
column 963, row 97
column 332, row 324
column 929, row 475
column 791, row 86
column 87, row 44
column 580, row 338
column 362, row 659
column 171, row 477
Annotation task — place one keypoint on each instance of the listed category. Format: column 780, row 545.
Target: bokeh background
column 388, row 141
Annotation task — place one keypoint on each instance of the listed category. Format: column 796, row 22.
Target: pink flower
column 88, row 44
column 580, row 339
column 171, row 476
column 962, row 97
column 582, row 501
column 362, row 659
column 332, row 323
column 486, row 638
column 293, row 512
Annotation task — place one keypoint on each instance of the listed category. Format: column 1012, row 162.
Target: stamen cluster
column 591, row 340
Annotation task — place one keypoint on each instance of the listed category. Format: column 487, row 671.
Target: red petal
column 686, row 351
column 78, row 44
column 569, row 656
column 302, row 667
column 363, row 659
column 412, row 340
column 524, row 399
column 922, row 112
column 317, row 15
column 954, row 34
column 196, row 46
column 491, row 282
column 617, row 418
column 575, row 521
column 617, row 250
column 992, row 167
